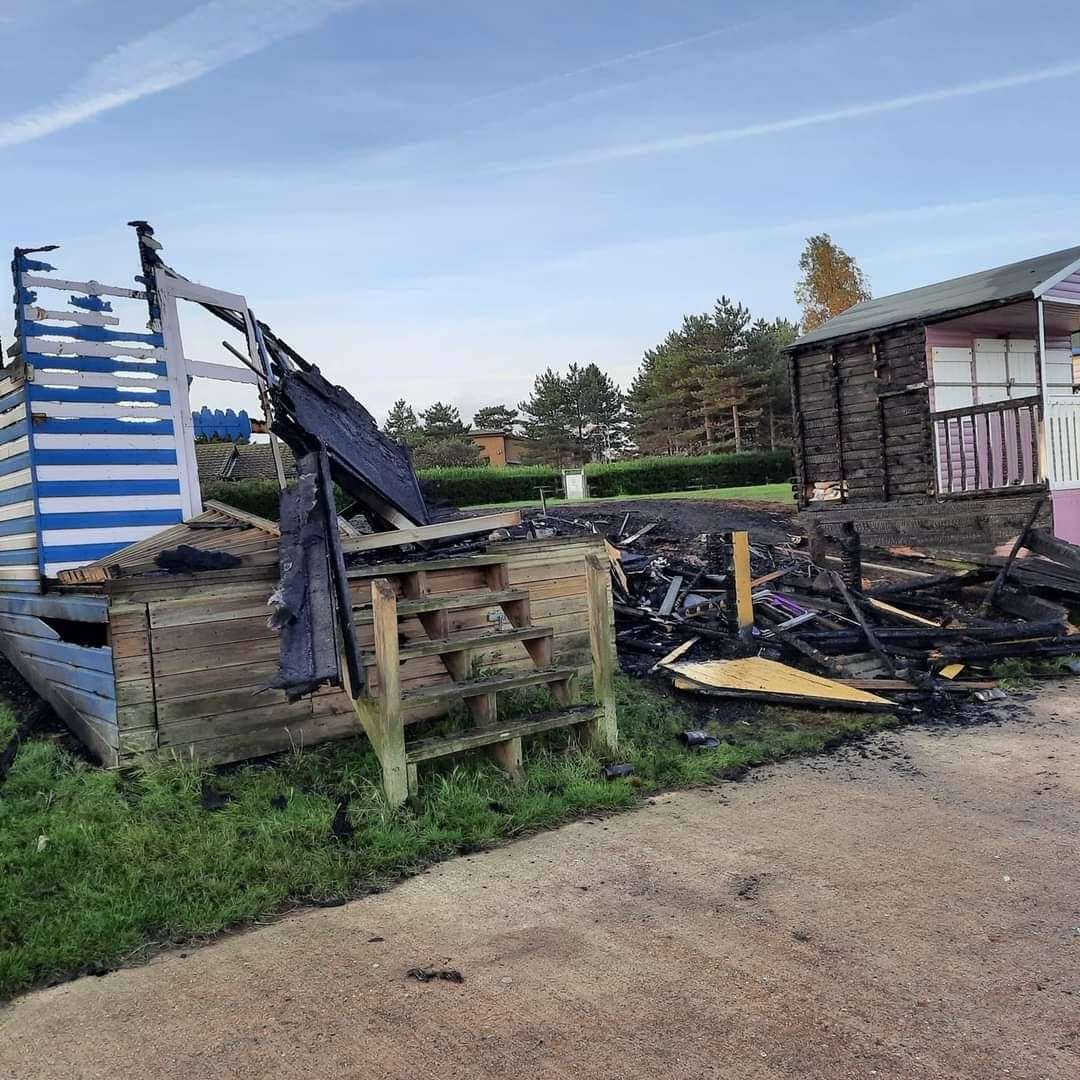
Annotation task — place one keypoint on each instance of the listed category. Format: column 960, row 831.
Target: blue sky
column 436, row 200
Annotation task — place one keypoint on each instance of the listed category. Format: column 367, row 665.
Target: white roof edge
column 1056, row 279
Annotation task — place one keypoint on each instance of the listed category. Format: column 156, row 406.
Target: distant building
column 500, row 448
column 241, row 461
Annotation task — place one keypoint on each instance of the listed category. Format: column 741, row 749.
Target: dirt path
column 910, row 913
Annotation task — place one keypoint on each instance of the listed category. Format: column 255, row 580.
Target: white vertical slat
column 176, row 366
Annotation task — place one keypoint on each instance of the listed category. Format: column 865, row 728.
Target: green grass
column 99, row 868
column 780, row 493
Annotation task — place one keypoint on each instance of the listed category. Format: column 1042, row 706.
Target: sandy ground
column 910, row 910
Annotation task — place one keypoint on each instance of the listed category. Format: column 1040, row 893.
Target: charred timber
column 370, row 466
column 915, row 634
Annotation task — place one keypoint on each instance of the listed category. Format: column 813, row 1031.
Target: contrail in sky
column 210, row 36
column 694, row 140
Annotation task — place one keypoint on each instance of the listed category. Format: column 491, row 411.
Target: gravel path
column 906, row 909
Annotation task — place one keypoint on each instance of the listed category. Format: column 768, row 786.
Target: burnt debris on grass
column 752, row 616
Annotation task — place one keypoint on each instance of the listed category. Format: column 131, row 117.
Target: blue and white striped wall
column 88, row 453
column 19, row 569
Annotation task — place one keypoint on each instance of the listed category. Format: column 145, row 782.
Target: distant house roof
column 240, row 461
column 255, row 461
column 988, row 288
column 213, row 458
column 496, row 431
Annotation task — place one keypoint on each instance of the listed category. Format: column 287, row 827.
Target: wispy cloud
column 610, row 62
column 697, row 139
column 883, row 220
column 208, row 37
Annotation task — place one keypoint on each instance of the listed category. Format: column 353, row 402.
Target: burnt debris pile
column 724, row 614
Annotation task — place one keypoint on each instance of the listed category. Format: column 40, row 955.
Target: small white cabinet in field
column 575, row 484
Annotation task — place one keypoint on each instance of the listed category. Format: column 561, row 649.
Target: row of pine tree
column 716, row 383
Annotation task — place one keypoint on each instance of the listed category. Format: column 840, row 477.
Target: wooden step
column 440, row 692
column 481, row 598
column 479, row 639
column 426, row 749
column 461, row 562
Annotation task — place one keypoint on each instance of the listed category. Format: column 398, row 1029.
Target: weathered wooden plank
column 419, row 534
column 196, row 611
column 218, row 633
column 429, row 749
column 225, row 701
column 176, row 731
column 573, row 569
column 240, row 653
column 53, row 606
column 97, row 683
column 96, row 733
column 213, row 680
column 28, row 625
column 132, row 668
column 547, row 590
column 135, row 692
column 142, row 715
column 63, row 652
column 270, row 738
column 460, row 562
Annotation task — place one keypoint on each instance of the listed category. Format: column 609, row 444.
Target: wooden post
column 740, row 565
column 817, row 542
column 605, row 730
column 507, row 756
column 988, row 602
column 382, row 717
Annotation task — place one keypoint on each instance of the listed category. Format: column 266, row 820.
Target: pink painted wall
column 1069, row 289
column 1066, row 508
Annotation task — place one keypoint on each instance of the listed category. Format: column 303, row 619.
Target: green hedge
column 639, row 476
column 255, row 496
column 466, row 485
column 481, row 484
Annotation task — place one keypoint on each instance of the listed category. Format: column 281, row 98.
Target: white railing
column 992, row 447
column 1063, row 443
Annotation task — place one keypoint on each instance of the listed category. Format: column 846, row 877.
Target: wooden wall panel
column 191, row 662
column 863, row 420
column 75, row 679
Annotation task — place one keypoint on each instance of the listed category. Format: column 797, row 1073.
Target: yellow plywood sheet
column 950, row 671
column 755, row 676
column 900, row 613
column 667, row 661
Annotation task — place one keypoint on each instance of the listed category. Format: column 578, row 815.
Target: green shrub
column 470, row 485
column 481, row 484
column 646, row 476
column 638, row 476
column 260, row 497
column 253, row 496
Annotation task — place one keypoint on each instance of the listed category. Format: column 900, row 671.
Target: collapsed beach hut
column 153, row 623
column 943, row 415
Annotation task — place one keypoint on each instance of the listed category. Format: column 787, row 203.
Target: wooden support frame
column 382, row 710
column 605, row 729
column 381, row 716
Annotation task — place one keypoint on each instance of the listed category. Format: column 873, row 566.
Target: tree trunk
column 738, row 432
column 772, row 429
column 708, row 434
